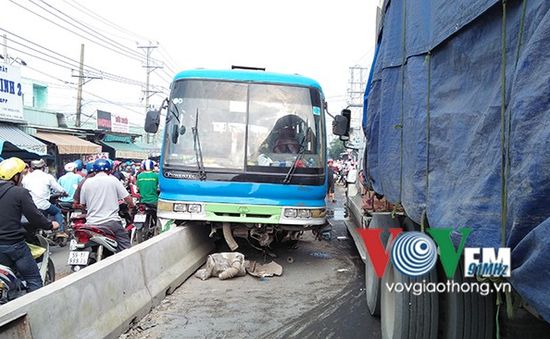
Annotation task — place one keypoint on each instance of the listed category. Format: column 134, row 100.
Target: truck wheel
column 465, row 315
column 372, row 289
column 405, row 315
column 372, row 282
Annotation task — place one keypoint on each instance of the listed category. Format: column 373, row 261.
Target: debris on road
column 342, row 237
column 267, row 270
column 223, row 265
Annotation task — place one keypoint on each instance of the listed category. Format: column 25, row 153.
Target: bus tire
column 405, row 315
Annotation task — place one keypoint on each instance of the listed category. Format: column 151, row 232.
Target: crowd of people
column 99, row 187
column 338, row 172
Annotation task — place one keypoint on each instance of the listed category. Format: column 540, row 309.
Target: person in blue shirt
column 69, row 181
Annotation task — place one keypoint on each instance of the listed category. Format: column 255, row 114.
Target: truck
column 457, row 147
column 243, row 153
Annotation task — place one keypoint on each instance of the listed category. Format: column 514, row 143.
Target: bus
column 244, row 152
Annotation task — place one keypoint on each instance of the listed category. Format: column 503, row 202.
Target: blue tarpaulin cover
column 434, row 128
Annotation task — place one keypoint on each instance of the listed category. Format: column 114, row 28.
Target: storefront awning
column 15, row 136
column 69, row 144
column 127, row 151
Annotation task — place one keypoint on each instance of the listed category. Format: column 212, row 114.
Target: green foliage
column 335, row 148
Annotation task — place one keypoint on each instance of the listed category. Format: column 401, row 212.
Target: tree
column 335, row 148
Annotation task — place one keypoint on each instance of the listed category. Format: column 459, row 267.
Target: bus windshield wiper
column 197, row 147
column 175, row 114
column 292, row 169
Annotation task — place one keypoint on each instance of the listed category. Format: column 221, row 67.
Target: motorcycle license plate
column 78, row 257
column 139, row 218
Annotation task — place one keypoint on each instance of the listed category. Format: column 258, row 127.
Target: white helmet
column 70, row 167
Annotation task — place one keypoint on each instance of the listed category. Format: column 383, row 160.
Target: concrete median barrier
column 104, row 299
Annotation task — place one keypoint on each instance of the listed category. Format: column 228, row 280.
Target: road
column 320, row 295
column 59, row 257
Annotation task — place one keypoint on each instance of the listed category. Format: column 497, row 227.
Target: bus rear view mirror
column 152, row 121
column 339, row 126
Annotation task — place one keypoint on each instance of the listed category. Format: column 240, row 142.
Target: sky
column 320, row 39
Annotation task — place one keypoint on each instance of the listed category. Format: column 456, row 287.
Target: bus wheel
column 465, row 315
column 403, row 314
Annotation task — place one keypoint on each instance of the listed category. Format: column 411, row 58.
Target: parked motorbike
column 145, row 222
column 11, row 284
column 92, row 243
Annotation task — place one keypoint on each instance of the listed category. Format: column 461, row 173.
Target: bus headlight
column 303, row 214
column 180, row 207
column 194, row 208
column 290, row 213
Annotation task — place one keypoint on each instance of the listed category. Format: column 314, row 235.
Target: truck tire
column 465, row 315
column 405, row 315
column 372, row 282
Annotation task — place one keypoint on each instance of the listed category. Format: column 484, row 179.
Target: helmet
column 70, row 167
column 102, row 165
column 147, row 165
column 90, row 167
column 116, row 164
column 78, row 164
column 37, row 164
column 10, row 167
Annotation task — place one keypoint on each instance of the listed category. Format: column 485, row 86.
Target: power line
column 92, row 14
column 96, row 33
column 69, row 63
column 76, row 33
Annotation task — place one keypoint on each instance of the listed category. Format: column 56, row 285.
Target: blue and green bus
column 244, row 152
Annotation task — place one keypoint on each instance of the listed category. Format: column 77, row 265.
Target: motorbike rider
column 17, row 201
column 40, row 184
column 148, row 184
column 100, row 196
column 89, row 173
column 79, row 166
column 69, row 181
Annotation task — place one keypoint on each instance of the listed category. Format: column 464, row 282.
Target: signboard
column 112, row 122
column 119, row 123
column 11, row 102
column 103, row 120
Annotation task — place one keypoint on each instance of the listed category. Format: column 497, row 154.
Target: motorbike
column 66, row 209
column 91, row 243
column 145, row 222
column 11, row 284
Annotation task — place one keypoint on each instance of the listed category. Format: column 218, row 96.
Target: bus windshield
column 244, row 126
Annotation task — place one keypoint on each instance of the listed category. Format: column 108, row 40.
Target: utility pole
column 82, row 80
column 149, row 68
column 79, row 89
column 356, row 91
column 6, row 58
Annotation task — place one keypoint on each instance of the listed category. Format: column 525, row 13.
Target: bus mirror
column 339, row 125
column 152, row 121
column 175, row 134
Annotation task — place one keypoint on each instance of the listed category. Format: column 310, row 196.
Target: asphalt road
column 60, row 255
column 319, row 295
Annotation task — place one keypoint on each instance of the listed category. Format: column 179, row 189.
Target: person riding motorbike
column 100, row 196
column 41, row 184
column 89, row 174
column 148, row 185
column 69, row 181
column 16, row 202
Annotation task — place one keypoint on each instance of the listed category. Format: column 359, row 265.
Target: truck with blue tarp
column 457, row 135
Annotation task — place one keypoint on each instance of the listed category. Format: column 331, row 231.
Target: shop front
column 16, row 143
